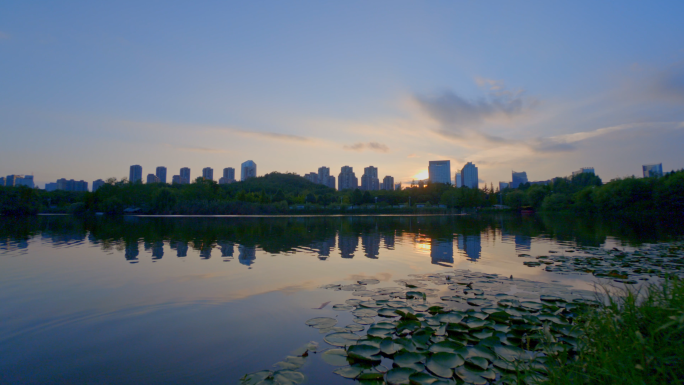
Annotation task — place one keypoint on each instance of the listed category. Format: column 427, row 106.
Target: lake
column 186, row 300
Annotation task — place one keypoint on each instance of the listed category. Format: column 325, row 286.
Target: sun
column 422, row 175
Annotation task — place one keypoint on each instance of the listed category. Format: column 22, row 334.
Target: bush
column 78, row 208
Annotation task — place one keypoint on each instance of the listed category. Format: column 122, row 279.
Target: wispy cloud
column 413, row 156
column 270, row 135
column 372, row 146
column 204, row 150
column 4, row 36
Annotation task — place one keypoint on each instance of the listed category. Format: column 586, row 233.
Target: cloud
column 372, row 146
column 413, row 156
column 204, row 150
column 670, row 83
column 271, row 135
column 4, row 36
column 459, row 117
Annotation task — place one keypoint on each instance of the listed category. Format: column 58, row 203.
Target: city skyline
column 451, row 81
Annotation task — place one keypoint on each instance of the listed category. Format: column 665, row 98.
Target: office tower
column 96, row 184
column 369, row 180
column 71, row 185
column 589, row 170
column 228, row 176
column 10, row 180
column 440, row 171
column 161, row 174
column 458, row 180
column 397, row 186
column 135, row 174
column 387, row 183
column 248, row 170
column 347, row 180
column 19, row 180
column 653, row 170
column 176, row 179
column 151, row 178
column 2, row 181
column 469, row 177
column 503, row 185
column 311, row 177
column 518, row 179
column 51, row 186
column 208, row 173
column 185, row 175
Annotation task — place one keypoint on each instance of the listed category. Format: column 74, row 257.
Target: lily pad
column 364, row 312
column 342, row 307
column 478, row 362
column 407, row 358
column 321, row 322
column 351, row 371
column 364, row 320
column 342, row 339
column 288, row 377
column 335, row 357
column 256, row 377
column 399, row 376
column 422, row 379
column 364, row 352
column 389, row 347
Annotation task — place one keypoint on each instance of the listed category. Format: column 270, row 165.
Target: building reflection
column 347, row 245
column 388, row 240
column 131, row 251
column 247, row 255
column 442, row 251
column 181, row 248
column 158, row 250
column 471, row 245
column 523, row 243
column 323, row 247
column 227, row 249
column 371, row 244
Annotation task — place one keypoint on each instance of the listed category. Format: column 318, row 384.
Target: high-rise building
column 96, row 185
column 51, row 186
column 387, row 183
column 440, row 171
column 347, row 180
column 72, row 185
column 161, row 174
column 503, row 185
column 135, row 174
column 325, row 178
column 208, row 173
column 177, row 179
column 653, row 170
column 185, row 175
column 248, row 170
column 311, row 177
column 151, row 178
column 228, row 176
column 397, row 186
column 589, row 170
column 518, row 179
column 19, row 180
column 369, row 180
column 469, row 177
column 2, row 181
column 458, row 180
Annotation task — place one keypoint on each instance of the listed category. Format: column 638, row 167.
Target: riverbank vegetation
column 633, row 339
column 277, row 193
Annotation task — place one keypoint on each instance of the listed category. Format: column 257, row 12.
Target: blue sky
column 89, row 88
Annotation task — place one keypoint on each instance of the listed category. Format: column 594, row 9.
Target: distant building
column 228, row 176
column 96, row 185
column 458, row 180
column 176, row 179
column 518, row 179
column 347, row 180
column 311, row 177
column 440, row 171
column 653, row 170
column 151, row 178
column 248, row 170
column 208, row 173
column 540, row 183
column 161, row 174
column 469, row 177
column 503, row 185
column 369, row 180
column 589, row 170
column 387, row 183
column 185, row 175
column 135, row 174
column 19, row 180
column 72, row 185
column 397, row 186
column 2, row 181
column 51, row 186
column 325, row 178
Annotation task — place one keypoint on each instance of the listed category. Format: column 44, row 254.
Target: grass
column 635, row 338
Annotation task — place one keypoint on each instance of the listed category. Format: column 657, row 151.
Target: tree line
column 276, row 193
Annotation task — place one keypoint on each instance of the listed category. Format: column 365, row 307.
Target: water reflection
column 446, row 238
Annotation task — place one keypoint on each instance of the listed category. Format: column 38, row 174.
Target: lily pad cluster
column 624, row 266
column 287, row 372
column 454, row 327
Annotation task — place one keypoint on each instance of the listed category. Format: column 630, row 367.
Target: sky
column 89, row 88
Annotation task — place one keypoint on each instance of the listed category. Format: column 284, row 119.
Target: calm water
column 207, row 300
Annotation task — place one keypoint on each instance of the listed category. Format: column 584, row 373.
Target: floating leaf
column 342, row 307
column 351, row 371
column 389, row 347
column 446, row 346
column 256, row 377
column 363, row 313
column 478, row 362
column 364, row 352
column 407, row 358
column 364, row 320
column 288, row 377
column 341, row 339
column 321, row 322
column 335, row 357
column 399, row 376
column 421, row 379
